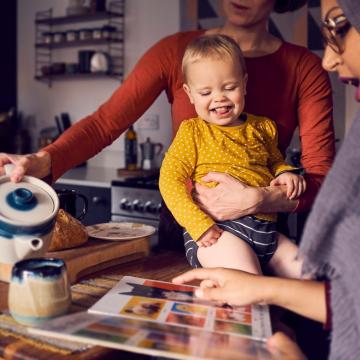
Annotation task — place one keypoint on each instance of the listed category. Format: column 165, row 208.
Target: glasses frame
column 330, row 29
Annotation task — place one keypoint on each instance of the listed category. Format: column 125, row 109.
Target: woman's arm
column 315, row 125
column 236, row 287
column 232, row 199
column 87, row 137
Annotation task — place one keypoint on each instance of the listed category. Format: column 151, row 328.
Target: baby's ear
column 188, row 92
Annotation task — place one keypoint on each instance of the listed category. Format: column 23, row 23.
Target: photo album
column 162, row 319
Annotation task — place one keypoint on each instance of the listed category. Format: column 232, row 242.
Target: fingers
column 302, row 187
column 212, row 293
column 4, row 159
column 21, row 166
column 216, row 176
column 275, row 182
column 282, row 345
column 299, row 187
column 206, row 243
column 198, row 274
column 290, row 189
column 209, row 284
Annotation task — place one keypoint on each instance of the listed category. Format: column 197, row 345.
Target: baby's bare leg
column 285, row 262
column 229, row 252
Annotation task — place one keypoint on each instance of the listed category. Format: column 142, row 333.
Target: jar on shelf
column 72, row 35
column 58, row 37
column 97, row 34
column 108, row 31
column 47, row 37
column 85, row 34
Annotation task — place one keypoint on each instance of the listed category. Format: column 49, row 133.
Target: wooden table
column 159, row 266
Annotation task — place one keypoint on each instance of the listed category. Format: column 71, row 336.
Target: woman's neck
column 254, row 41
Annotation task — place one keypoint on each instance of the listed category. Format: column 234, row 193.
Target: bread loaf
column 68, row 232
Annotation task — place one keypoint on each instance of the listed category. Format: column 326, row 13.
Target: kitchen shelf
column 66, row 44
column 46, row 78
column 63, row 20
column 113, row 47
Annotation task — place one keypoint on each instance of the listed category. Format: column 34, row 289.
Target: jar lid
column 27, row 202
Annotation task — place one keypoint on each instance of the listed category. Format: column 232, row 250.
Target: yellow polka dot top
column 248, row 152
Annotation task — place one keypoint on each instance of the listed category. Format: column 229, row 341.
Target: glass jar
column 72, row 35
column 47, row 37
column 85, row 34
column 97, row 33
column 107, row 31
column 58, row 37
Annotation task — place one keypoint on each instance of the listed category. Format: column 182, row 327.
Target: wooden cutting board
column 93, row 256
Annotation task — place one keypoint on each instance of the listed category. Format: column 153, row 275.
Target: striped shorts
column 261, row 235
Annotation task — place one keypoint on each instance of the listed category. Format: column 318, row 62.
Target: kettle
column 28, row 211
column 148, row 152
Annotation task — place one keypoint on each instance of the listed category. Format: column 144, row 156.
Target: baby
column 225, row 139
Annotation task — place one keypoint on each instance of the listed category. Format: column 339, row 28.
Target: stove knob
column 137, row 205
column 125, row 204
column 150, row 207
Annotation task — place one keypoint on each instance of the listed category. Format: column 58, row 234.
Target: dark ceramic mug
column 69, row 202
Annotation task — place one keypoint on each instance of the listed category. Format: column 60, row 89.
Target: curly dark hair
column 282, row 6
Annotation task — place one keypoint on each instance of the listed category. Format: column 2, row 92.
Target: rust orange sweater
column 288, row 86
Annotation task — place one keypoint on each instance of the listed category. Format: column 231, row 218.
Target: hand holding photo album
column 163, row 319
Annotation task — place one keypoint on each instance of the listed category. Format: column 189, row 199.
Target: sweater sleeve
column 90, row 135
column 315, row 125
column 177, row 167
column 276, row 161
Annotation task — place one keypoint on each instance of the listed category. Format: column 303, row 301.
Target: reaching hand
column 225, row 285
column 210, row 237
column 229, row 200
column 295, row 184
column 37, row 164
column 284, row 348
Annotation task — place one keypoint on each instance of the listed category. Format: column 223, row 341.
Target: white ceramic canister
column 39, row 290
column 28, row 212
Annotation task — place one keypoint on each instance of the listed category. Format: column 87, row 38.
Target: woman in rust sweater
column 287, row 85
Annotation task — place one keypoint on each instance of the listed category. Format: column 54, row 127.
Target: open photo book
column 162, row 319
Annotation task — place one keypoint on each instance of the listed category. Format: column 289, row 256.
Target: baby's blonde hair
column 213, row 47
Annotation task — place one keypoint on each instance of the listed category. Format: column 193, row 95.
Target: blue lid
column 25, row 202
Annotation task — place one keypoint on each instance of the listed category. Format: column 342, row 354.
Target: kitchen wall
column 146, row 21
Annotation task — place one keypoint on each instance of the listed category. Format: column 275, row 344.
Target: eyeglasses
column 334, row 31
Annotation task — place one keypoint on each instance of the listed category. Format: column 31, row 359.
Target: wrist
column 268, row 290
column 274, row 199
column 44, row 169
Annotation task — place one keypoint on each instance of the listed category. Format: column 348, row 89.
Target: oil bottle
column 131, row 149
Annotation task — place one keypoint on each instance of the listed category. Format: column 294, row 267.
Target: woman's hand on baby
column 234, row 287
column 295, row 184
column 37, row 164
column 210, row 237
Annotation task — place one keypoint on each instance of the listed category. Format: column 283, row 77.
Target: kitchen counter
column 89, row 176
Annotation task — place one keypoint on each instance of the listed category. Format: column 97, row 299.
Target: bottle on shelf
column 131, row 149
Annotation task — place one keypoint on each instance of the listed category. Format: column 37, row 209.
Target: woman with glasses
column 331, row 241
column 287, row 85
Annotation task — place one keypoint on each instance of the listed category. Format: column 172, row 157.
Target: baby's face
column 217, row 88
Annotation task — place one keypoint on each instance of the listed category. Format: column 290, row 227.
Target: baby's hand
column 210, row 237
column 296, row 184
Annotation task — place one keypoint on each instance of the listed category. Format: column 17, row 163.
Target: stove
column 137, row 199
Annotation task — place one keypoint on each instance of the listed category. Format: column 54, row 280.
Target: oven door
column 154, row 239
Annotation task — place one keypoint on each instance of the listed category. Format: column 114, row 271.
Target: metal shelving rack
column 46, row 22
